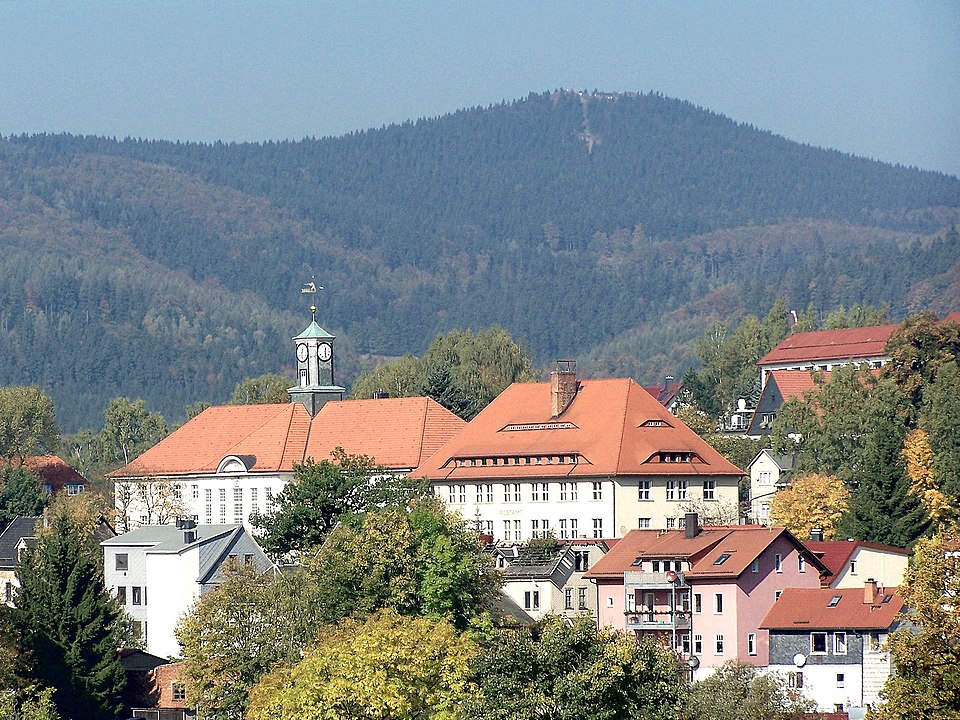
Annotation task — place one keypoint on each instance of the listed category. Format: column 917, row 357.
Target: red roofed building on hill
column 578, row 458
column 830, row 643
column 230, row 461
column 702, row 590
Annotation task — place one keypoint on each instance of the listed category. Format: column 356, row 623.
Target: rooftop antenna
column 311, row 288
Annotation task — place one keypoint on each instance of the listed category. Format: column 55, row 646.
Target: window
column 643, row 490
column 268, row 494
column 136, row 596
column 839, row 643
column 718, row 603
column 121, row 595
column 853, row 567
column 840, row 680
column 697, row 603
column 223, row 506
column 709, row 489
column 208, row 500
column 74, row 489
column 795, row 680
column 568, row 599
column 671, row 489
column 698, row 644
column 534, row 529
column 681, row 522
column 506, row 493
column 818, row 643
column 487, row 527
column 755, row 565
column 643, row 523
column 597, row 491
column 479, row 494
column 506, row 529
column 563, row 529
column 573, row 528
column 597, row 527
column 719, row 646
column 609, row 602
column 752, row 644
column 801, row 563
column 248, row 560
column 545, row 492
column 765, row 478
column 582, row 598
column 671, row 523
column 195, row 492
column 876, row 641
column 516, row 492
column 778, row 563
column 488, row 489
column 531, row 600
column 122, row 561
column 516, row 530
column 722, row 559
column 777, row 594
column 581, row 561
column 178, row 692
column 681, row 489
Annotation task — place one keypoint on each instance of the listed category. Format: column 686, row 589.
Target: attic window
column 676, row 457
column 656, row 422
column 834, row 601
column 637, row 562
column 886, row 599
column 722, row 559
column 539, row 426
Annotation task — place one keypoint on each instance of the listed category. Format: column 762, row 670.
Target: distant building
column 577, row 459
column 20, row 534
column 666, row 394
column 157, row 572
column 830, row 643
column 851, row 562
column 55, row 474
column 768, row 475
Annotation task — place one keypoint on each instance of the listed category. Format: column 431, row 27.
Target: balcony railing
column 657, row 620
column 652, row 579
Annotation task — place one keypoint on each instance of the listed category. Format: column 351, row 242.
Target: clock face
column 324, row 351
column 302, row 352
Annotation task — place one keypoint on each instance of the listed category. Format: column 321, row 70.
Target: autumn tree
column 31, row 703
column 262, row 390
column 387, row 667
column 461, row 370
column 918, row 456
column 918, row 349
column 738, row 691
column 66, row 622
column 28, row 423
column 813, row 500
column 421, row 561
column 236, row 633
column 320, row 493
column 576, row 672
column 940, row 417
column 926, row 652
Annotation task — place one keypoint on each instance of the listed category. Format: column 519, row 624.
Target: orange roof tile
column 396, row 432
column 653, row 544
column 794, row 383
column 612, row 427
column 808, row 609
column 52, row 470
column 822, row 345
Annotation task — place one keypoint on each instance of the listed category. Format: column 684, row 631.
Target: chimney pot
column 563, row 386
column 816, row 534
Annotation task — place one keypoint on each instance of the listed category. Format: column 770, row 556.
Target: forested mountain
column 609, row 228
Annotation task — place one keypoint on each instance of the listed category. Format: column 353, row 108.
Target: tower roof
column 314, row 331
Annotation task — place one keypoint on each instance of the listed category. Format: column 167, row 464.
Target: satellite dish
column 799, row 660
column 671, row 576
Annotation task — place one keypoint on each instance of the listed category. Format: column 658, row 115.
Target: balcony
column 657, row 620
column 653, row 580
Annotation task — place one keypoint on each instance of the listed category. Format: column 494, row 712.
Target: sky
column 878, row 79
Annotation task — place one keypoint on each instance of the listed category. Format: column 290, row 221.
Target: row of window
column 138, row 595
column 237, row 498
column 567, row 529
column 512, row 493
column 676, row 490
column 518, row 460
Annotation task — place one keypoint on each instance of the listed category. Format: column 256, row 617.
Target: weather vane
column 311, row 288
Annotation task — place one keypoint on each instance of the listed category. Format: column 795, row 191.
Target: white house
column 157, row 572
column 768, row 472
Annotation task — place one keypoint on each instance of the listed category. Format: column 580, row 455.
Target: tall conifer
column 68, row 623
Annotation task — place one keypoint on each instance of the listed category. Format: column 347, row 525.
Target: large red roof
column 397, row 433
column 836, row 553
column 822, row 345
column 810, row 609
column 612, row 427
column 52, row 470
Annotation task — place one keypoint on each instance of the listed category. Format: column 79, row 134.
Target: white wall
column 173, row 589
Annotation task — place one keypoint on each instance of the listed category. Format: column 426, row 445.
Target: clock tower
column 315, row 384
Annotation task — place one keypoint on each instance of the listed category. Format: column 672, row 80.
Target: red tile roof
column 612, row 427
column 664, row 393
column 794, row 383
column 836, row 553
column 397, row 433
column 52, row 470
column 821, row 345
column 808, row 609
column 742, row 543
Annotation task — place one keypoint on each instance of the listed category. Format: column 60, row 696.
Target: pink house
column 703, row 591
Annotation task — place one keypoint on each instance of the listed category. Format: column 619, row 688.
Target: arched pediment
column 233, row 464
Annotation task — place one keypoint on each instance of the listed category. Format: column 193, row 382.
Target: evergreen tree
column 68, row 624
column 20, row 494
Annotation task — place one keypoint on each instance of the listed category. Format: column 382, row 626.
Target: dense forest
column 607, row 228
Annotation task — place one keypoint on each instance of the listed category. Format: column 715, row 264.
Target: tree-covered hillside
column 606, row 227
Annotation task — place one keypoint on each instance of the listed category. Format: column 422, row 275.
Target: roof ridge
column 623, row 423
column 423, row 428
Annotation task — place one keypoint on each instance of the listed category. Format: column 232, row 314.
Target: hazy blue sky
column 878, row 79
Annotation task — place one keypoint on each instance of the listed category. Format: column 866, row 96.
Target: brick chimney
column 563, row 386
column 869, row 591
